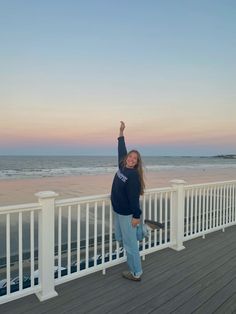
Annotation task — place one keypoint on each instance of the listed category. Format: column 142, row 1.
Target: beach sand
column 20, row 191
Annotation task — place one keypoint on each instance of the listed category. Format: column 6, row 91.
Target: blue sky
column 71, row 70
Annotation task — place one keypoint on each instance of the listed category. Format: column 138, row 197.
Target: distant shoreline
column 229, row 156
column 114, row 156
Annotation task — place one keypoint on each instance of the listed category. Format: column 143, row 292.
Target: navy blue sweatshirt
column 126, row 186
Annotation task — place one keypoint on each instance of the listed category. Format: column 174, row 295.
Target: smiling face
column 131, row 160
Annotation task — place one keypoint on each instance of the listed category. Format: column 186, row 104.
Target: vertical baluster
column 59, row 241
column 217, row 205
column 20, row 251
column 32, row 247
column 191, row 214
column 231, row 203
column 221, row 206
column 199, row 209
column 95, row 233
column 144, row 217
column 224, row 205
column 234, row 203
column 110, row 232
column 117, row 249
column 87, row 237
column 227, row 204
column 69, row 241
column 187, row 214
column 155, row 218
column 203, row 209
column 78, row 238
column 214, row 207
column 231, row 207
column 150, row 217
column 210, row 209
column 8, row 253
column 171, row 213
column 195, row 212
column 166, row 215
column 160, row 213
column 207, row 209
column 150, row 207
column 103, row 232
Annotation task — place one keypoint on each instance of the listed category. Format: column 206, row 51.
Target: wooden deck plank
column 223, row 288
column 228, row 305
column 195, row 296
column 179, row 278
column 199, row 278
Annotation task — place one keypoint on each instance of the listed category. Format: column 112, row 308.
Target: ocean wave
column 68, row 171
column 190, row 166
column 34, row 173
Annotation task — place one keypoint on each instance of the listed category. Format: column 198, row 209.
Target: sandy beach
column 20, row 191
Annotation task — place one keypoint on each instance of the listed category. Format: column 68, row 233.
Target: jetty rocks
column 230, row 156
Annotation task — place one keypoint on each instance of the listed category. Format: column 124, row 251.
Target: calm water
column 49, row 166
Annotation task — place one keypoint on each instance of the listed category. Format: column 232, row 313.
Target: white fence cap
column 46, row 194
column 178, row 181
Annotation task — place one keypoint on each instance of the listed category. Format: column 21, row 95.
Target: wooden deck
column 199, row 279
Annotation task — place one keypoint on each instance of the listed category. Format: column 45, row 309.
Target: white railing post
column 177, row 221
column 46, row 245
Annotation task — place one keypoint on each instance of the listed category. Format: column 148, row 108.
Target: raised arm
column 122, row 151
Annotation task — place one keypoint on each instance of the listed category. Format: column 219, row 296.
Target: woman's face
column 132, row 160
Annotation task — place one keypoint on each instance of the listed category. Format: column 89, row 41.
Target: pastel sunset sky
column 71, row 70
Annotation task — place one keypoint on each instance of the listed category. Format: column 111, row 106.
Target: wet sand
column 20, row 191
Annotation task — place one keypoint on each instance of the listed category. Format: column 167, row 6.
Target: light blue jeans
column 128, row 235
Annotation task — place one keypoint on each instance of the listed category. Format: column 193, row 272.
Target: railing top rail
column 83, row 199
column 19, row 208
column 95, row 198
column 209, row 184
column 157, row 190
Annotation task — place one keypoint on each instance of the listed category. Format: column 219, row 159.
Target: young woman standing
column 128, row 185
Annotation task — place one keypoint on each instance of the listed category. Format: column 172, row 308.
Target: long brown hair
column 139, row 168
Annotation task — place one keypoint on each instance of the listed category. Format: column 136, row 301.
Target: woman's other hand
column 135, row 222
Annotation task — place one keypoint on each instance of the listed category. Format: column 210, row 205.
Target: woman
column 128, row 185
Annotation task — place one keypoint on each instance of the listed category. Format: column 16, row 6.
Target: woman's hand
column 122, row 127
column 135, row 222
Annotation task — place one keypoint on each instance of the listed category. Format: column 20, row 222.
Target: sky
column 71, row 70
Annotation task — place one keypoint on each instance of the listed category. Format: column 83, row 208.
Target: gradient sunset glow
column 71, row 70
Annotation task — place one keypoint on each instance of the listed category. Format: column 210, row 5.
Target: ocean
column 21, row 167
column 13, row 167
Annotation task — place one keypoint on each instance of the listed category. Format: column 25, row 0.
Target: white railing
column 71, row 238
column 208, row 208
column 87, row 242
column 19, row 227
